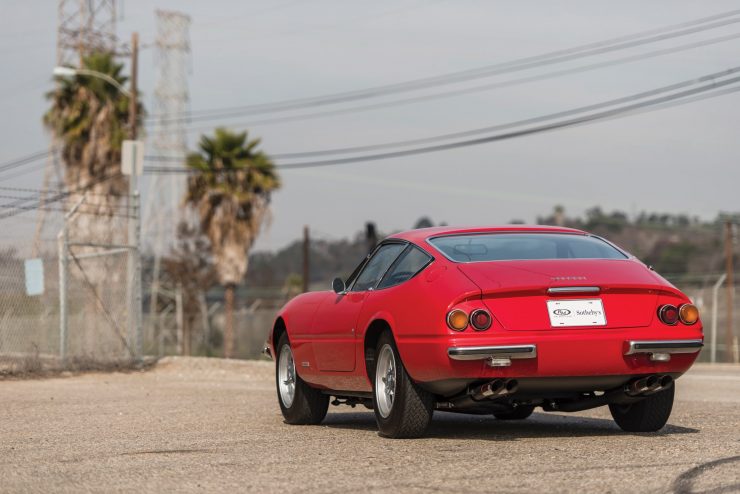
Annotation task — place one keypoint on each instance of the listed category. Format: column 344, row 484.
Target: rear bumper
column 488, row 352
column 664, row 346
column 530, row 351
column 539, row 354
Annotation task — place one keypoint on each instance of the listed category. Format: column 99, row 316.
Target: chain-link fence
column 199, row 329
column 98, row 306
column 29, row 324
column 709, row 293
column 65, row 289
column 95, row 299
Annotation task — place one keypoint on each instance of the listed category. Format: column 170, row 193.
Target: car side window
column 376, row 267
column 356, row 271
column 408, row 265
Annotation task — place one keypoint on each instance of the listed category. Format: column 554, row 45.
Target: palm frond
column 231, row 190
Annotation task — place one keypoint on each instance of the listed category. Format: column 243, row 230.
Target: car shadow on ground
column 460, row 426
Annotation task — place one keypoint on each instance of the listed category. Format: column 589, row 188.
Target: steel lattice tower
column 83, row 26
column 168, row 139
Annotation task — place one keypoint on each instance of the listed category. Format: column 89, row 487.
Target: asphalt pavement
column 200, row 425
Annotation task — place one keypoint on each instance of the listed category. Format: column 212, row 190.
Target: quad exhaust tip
column 497, row 387
column 488, row 391
column 648, row 385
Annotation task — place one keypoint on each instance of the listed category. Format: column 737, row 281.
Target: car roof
column 422, row 234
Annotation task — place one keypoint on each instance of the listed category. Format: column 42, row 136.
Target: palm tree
column 89, row 116
column 231, row 191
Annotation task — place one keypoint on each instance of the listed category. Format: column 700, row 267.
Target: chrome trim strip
column 484, row 352
column 664, row 346
column 574, row 289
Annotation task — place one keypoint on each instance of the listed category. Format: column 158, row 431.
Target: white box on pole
column 132, row 157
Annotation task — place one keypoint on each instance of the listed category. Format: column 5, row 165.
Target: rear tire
column 519, row 413
column 402, row 408
column 647, row 415
column 300, row 403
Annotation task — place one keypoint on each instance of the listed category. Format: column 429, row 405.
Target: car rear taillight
column 688, row 313
column 457, row 319
column 480, row 319
column 668, row 314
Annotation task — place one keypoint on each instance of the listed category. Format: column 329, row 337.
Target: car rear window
column 523, row 246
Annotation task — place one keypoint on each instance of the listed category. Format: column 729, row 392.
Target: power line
column 63, row 210
column 31, row 198
column 14, row 163
column 21, row 189
column 475, row 89
column 41, row 154
column 40, row 191
column 510, row 125
column 658, row 102
column 558, row 56
column 22, row 172
column 55, row 198
column 518, row 123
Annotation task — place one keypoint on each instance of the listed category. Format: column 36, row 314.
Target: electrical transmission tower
column 163, row 211
column 83, row 26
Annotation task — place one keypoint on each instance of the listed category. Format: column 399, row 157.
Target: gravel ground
column 196, row 425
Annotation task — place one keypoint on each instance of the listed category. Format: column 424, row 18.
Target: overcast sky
column 679, row 160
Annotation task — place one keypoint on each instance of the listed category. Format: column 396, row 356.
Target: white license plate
column 564, row 313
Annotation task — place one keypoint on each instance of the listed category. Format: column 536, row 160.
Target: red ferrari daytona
column 495, row 320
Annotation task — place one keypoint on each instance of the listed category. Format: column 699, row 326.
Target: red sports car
column 496, row 320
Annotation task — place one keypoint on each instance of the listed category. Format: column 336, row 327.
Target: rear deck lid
column 520, row 272
column 517, row 292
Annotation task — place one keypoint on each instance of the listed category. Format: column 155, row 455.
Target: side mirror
column 338, row 286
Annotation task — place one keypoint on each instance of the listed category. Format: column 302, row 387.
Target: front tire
column 300, row 403
column 402, row 409
column 647, row 415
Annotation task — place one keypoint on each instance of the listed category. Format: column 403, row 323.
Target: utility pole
column 132, row 109
column 134, row 230
column 730, row 281
column 371, row 236
column 306, row 258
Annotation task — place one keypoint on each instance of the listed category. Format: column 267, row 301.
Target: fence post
column 182, row 345
column 63, row 273
column 138, row 310
column 715, row 301
column 135, row 336
column 63, row 278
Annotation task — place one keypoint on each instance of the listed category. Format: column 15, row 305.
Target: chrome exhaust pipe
column 642, row 385
column 511, row 386
column 497, row 387
column 632, row 392
column 648, row 385
column 664, row 382
column 490, row 390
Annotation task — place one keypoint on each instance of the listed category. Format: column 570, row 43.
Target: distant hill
column 677, row 246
